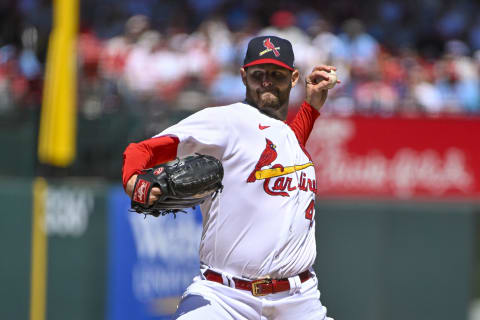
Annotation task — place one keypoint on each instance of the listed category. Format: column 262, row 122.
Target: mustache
column 274, row 92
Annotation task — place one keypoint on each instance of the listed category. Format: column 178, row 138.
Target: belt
column 260, row 287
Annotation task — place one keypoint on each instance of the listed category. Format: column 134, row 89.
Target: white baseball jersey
column 262, row 224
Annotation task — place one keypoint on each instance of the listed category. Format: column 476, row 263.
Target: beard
column 271, row 102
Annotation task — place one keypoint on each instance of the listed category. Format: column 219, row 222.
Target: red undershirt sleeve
column 148, row 153
column 302, row 123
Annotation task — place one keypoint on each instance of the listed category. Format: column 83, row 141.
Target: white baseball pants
column 206, row 299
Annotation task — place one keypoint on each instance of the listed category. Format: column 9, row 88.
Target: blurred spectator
column 325, row 43
column 373, row 95
column 114, row 56
column 90, row 49
column 426, row 94
column 220, row 41
column 228, row 86
column 467, row 74
column 28, row 61
column 357, row 47
column 141, row 75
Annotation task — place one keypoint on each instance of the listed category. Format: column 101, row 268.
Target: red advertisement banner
column 397, row 157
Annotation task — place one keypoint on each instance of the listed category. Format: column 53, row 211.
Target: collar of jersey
column 270, row 117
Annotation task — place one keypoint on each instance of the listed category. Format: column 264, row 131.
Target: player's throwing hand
column 318, row 83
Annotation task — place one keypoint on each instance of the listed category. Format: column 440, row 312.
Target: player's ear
column 295, row 77
column 243, row 73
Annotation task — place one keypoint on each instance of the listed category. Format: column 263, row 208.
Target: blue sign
column 151, row 260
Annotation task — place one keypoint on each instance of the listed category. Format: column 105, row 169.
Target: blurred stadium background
column 397, row 149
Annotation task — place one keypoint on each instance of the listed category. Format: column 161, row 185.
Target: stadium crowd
column 393, row 57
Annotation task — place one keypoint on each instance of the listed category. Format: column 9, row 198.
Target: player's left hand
column 317, row 85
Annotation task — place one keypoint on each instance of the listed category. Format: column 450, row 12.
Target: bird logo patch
column 268, row 155
column 280, row 185
column 267, row 43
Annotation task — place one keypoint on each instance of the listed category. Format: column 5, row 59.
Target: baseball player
column 258, row 242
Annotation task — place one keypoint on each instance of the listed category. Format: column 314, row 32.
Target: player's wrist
column 130, row 185
column 317, row 100
column 308, row 106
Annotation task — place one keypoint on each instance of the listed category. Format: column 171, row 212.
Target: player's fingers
column 317, row 77
column 154, row 195
column 156, row 191
column 324, row 67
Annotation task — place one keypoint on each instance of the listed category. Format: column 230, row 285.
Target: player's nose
column 266, row 82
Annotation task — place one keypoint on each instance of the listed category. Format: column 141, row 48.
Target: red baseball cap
column 269, row 49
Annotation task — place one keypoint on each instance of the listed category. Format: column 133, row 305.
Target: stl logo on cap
column 267, row 43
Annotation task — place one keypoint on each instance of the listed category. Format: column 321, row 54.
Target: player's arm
column 302, row 123
column 202, row 132
column 146, row 154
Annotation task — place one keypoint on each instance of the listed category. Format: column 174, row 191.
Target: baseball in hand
column 332, row 79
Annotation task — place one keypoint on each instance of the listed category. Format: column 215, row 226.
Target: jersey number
column 310, row 210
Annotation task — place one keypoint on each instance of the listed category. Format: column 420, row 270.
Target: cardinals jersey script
column 269, row 187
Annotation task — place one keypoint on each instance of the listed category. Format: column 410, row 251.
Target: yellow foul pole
column 57, row 135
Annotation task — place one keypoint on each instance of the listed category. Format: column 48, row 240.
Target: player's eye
column 276, row 74
column 258, row 75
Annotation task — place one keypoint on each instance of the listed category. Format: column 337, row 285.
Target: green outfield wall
column 76, row 257
column 396, row 260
